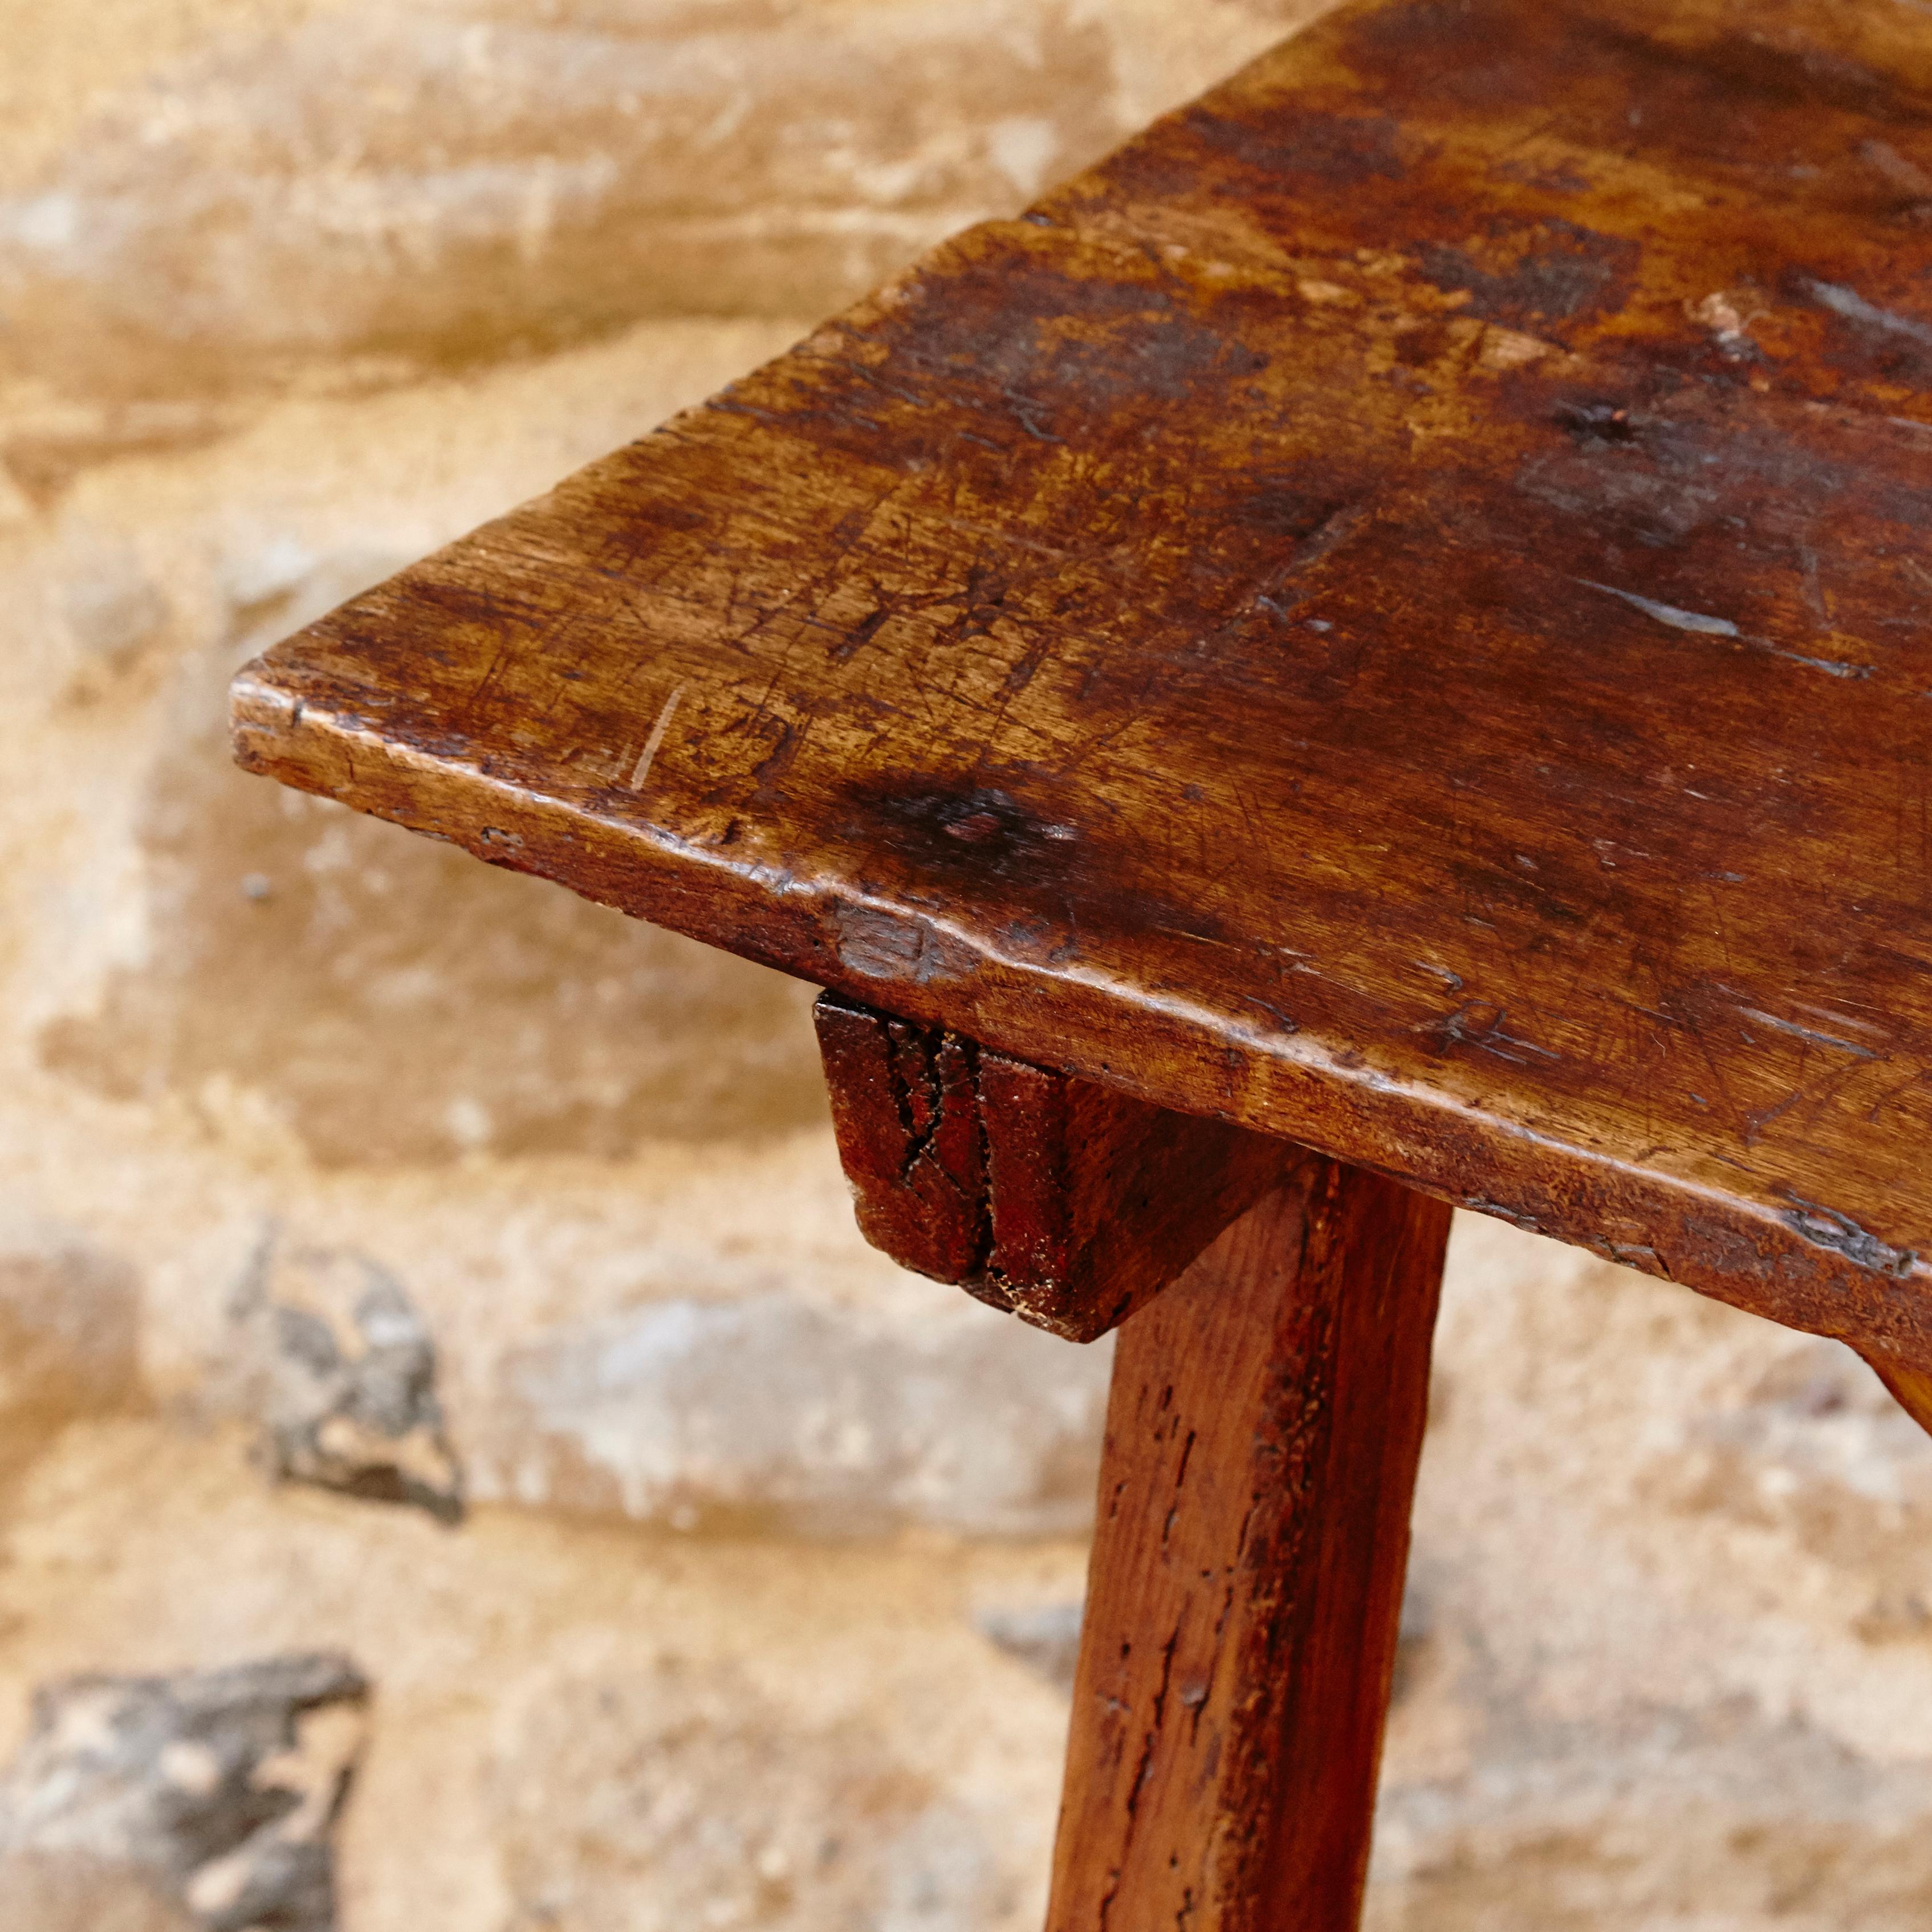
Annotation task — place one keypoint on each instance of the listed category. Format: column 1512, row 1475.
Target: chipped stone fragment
column 202, row 1802
column 343, row 1381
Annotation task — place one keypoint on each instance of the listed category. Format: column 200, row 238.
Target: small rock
column 206, row 1800
column 1045, row 1636
column 344, row 1381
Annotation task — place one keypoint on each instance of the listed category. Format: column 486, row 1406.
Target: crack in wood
column 1065, row 1202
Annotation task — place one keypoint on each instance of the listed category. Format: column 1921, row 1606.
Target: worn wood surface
column 1393, row 611
column 1067, row 1203
column 1262, row 1438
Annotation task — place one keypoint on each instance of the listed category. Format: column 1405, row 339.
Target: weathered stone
column 1813, row 1450
column 344, row 1380
column 1681, row 1822
column 444, row 1008
column 70, row 1893
column 1044, row 1637
column 69, row 1343
column 1656, row 1542
column 401, row 189
column 497, row 1768
column 114, row 608
column 214, row 1793
column 767, row 1412
column 689, row 1797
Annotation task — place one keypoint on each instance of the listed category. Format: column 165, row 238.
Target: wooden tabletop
column 1394, row 610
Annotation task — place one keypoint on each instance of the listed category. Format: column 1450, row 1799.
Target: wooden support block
column 1262, row 1438
column 1065, row 1201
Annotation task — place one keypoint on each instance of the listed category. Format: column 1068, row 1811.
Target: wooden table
column 1370, row 652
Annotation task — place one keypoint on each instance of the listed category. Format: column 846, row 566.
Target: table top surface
column 1394, row 609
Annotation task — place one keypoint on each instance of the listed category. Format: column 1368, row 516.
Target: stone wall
column 458, row 1466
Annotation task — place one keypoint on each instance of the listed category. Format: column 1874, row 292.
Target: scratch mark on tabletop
column 1025, row 409
column 1760, row 1118
column 1814, row 591
column 642, row 769
column 1811, row 1033
column 1845, row 1019
column 1696, row 621
column 1678, row 618
column 1286, row 1021
column 1477, row 1023
column 1853, row 307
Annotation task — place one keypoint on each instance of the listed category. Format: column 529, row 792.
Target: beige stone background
column 759, row 1614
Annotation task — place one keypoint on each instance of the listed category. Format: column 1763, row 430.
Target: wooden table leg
column 1266, row 1420
column 1262, row 1438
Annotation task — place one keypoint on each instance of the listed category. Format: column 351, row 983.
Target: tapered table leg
column 1262, row 1438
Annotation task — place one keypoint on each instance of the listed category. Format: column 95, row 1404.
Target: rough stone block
column 1677, row 1822
column 389, row 189
column 1812, row 1449
column 56, row 1892
column 687, row 1796
column 383, row 999
column 1666, row 1668
column 69, row 1343
column 765, row 1412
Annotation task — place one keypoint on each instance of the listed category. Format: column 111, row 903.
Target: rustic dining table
column 1371, row 653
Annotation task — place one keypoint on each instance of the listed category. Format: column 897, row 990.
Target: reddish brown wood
column 905, row 1105
column 1262, row 1438
column 1068, row 1203
column 1391, row 611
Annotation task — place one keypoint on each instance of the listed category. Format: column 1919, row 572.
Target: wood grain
column 1068, row 1204
column 1262, row 1438
column 905, row 1107
column 1392, row 612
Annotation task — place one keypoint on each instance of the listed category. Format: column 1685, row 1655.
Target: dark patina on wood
column 1262, row 1438
column 1066, row 1203
column 1392, row 612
